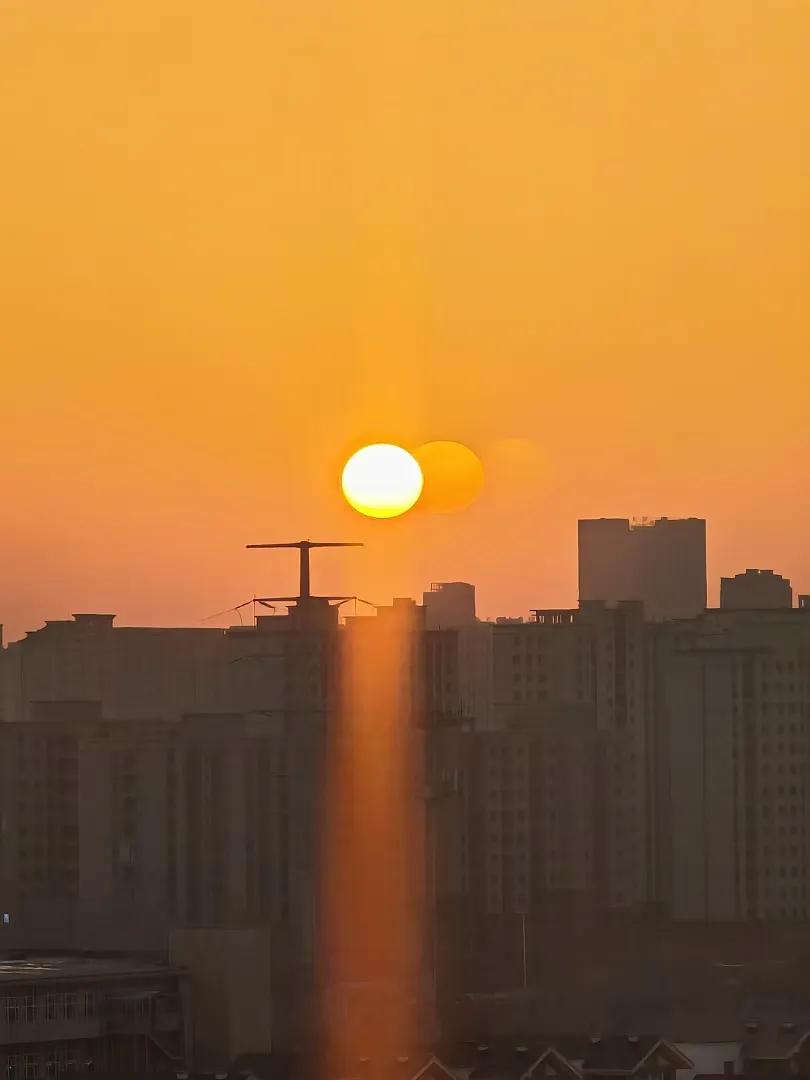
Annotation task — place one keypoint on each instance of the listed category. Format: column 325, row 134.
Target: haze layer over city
column 372, row 836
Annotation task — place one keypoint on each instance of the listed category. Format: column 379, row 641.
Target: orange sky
column 239, row 239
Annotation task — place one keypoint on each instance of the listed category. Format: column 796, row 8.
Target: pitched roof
column 572, row 1055
column 432, row 1067
column 618, row 1053
column 558, row 1063
column 774, row 1044
column 515, row 1058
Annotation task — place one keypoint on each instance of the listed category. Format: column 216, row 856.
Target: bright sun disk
column 382, row 480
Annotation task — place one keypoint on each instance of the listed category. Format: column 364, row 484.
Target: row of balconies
column 39, row 1028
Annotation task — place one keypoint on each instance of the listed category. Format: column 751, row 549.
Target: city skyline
column 574, row 778
column 282, row 574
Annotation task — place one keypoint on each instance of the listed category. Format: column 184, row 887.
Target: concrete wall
column 231, row 989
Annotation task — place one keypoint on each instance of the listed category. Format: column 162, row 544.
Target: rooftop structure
column 756, row 590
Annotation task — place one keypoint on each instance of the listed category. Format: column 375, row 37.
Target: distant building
column 135, row 672
column 755, row 589
column 661, row 563
column 73, row 1014
column 449, row 604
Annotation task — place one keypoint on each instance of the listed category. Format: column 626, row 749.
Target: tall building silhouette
column 449, row 604
column 660, row 563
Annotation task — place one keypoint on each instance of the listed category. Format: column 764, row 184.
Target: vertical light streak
column 373, row 880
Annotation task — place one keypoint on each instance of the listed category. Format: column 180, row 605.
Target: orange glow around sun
column 453, row 474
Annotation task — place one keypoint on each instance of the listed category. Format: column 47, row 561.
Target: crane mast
column 304, row 587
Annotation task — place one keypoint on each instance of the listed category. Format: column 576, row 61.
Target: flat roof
column 16, row 968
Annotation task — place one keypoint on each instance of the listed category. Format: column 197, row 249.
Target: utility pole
column 525, row 972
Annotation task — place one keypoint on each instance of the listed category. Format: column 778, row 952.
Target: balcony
column 34, row 1025
column 141, row 1012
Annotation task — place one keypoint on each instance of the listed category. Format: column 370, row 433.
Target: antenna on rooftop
column 304, row 591
column 304, row 547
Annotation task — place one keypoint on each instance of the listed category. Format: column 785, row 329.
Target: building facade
column 660, row 563
column 65, row 1014
column 449, row 604
column 733, row 716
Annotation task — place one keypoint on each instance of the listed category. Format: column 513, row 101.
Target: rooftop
column 15, row 968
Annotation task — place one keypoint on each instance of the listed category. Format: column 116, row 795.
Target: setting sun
column 382, row 480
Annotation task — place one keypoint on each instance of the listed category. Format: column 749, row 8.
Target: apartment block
column 661, row 564
column 733, row 712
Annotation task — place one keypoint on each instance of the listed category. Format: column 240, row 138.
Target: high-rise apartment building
column 510, row 840
column 581, row 674
column 449, row 604
column 733, row 766
column 755, row 589
column 545, row 815
column 466, row 667
column 109, row 825
column 660, row 563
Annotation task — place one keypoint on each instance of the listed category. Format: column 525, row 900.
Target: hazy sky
column 241, row 238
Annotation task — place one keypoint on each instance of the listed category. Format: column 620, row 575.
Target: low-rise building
column 755, row 590
column 61, row 1014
